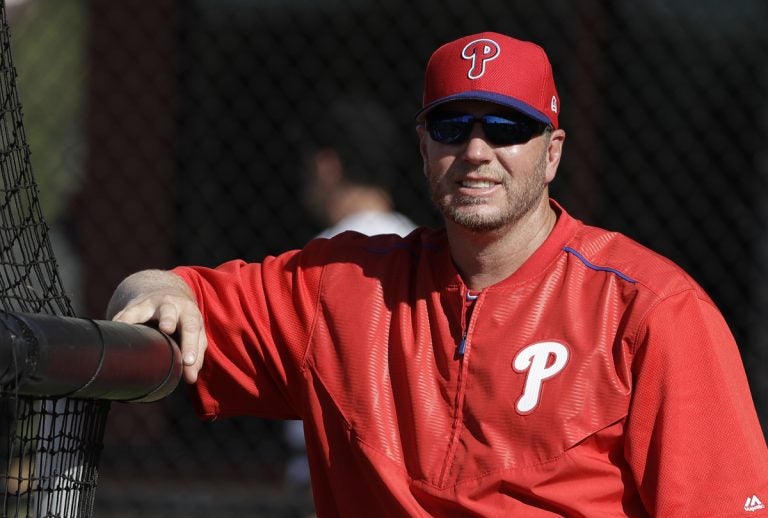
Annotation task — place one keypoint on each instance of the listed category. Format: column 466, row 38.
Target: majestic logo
column 480, row 52
column 553, row 104
column 753, row 504
column 541, row 361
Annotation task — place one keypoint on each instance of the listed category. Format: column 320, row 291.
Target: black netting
column 171, row 132
column 49, row 449
column 51, row 466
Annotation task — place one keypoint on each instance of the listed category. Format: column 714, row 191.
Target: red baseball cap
column 496, row 68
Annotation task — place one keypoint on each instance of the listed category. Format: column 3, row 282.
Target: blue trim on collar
column 596, row 267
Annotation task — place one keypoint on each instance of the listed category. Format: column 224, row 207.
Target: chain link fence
column 172, row 132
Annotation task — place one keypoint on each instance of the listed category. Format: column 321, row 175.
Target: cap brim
column 479, row 95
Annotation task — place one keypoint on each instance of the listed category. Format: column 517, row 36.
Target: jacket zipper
column 468, row 317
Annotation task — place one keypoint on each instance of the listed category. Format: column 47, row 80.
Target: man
column 515, row 363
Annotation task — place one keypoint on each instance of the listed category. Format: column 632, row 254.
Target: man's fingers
column 135, row 314
column 160, row 309
column 193, row 344
column 193, row 360
column 174, row 314
column 167, row 318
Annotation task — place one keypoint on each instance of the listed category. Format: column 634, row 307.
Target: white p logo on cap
column 480, row 52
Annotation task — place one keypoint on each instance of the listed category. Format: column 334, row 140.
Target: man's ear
column 422, row 132
column 554, row 153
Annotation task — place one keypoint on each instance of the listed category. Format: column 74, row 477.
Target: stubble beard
column 522, row 197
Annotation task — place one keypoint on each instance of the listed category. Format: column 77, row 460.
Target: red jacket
column 597, row 380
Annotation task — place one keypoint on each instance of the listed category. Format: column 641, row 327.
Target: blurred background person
column 351, row 170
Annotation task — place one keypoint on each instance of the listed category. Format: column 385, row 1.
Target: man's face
column 482, row 186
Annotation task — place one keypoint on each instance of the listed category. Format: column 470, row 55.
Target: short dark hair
column 366, row 137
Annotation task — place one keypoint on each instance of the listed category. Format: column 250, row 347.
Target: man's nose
column 477, row 148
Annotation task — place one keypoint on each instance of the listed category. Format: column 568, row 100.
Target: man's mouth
column 477, row 184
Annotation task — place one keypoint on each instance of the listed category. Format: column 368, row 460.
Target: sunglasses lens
column 505, row 132
column 499, row 130
column 450, row 129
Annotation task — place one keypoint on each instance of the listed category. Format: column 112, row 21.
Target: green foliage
column 48, row 40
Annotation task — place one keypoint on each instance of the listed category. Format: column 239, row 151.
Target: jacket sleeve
column 258, row 319
column 693, row 440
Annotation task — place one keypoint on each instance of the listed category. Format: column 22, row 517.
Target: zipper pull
column 466, row 313
column 462, row 347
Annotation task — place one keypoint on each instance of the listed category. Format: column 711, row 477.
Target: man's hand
column 163, row 297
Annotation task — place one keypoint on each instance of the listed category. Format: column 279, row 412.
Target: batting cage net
column 172, row 132
column 49, row 448
column 57, row 372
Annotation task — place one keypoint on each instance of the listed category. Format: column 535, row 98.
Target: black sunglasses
column 500, row 130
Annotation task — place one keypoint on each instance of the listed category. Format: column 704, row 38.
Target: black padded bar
column 56, row 356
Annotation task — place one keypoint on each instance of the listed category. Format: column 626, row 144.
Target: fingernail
column 189, row 359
